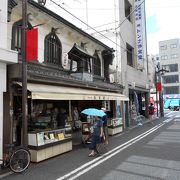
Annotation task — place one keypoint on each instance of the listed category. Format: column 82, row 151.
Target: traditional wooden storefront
column 66, row 73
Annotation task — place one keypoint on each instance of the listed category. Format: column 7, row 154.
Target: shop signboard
column 139, row 32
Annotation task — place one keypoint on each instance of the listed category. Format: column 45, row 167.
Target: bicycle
column 16, row 158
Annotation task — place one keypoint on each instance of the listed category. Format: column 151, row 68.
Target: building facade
column 130, row 67
column 134, row 61
column 169, row 53
column 7, row 56
column 71, row 70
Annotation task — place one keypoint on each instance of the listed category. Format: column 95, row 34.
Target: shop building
column 71, row 70
column 128, row 37
column 170, row 60
column 134, row 62
column 7, row 56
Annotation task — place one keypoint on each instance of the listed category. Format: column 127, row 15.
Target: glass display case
column 49, row 143
column 115, row 126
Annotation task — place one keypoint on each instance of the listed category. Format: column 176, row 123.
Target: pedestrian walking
column 151, row 112
column 97, row 136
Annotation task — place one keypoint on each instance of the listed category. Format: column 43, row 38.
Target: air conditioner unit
column 147, row 86
column 133, row 84
column 111, row 78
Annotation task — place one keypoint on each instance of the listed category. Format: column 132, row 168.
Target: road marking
column 169, row 114
column 91, row 164
column 167, row 120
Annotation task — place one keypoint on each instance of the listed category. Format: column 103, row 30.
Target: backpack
column 151, row 110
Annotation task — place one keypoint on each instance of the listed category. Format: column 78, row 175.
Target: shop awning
column 41, row 91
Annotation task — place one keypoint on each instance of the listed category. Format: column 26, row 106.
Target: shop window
column 130, row 52
column 52, row 49
column 106, row 105
column 118, row 109
column 17, row 36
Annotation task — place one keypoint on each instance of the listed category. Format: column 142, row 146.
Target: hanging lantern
column 42, row 2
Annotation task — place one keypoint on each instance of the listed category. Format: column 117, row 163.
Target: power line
column 103, row 25
column 130, row 14
column 98, row 31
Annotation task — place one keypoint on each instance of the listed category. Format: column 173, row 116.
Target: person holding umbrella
column 96, row 136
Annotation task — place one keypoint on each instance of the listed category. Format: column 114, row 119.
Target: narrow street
column 145, row 152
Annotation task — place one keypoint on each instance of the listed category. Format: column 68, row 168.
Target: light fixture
column 42, row 2
column 30, row 17
column 56, row 30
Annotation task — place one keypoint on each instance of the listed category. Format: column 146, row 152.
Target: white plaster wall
column 6, row 56
column 3, row 23
column 130, row 74
column 2, row 77
column 67, row 35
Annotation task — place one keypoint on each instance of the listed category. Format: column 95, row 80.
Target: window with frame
column 172, row 46
column 130, row 54
column 96, row 64
column 171, row 90
column 52, row 49
column 171, row 79
column 128, row 10
column 163, row 47
column 164, row 57
column 17, row 36
column 174, row 56
column 171, row 67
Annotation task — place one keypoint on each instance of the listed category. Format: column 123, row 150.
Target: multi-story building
column 134, row 61
column 128, row 38
column 169, row 53
column 7, row 56
column 69, row 69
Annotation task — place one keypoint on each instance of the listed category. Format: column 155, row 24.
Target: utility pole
column 161, row 104
column 24, row 75
column 157, row 102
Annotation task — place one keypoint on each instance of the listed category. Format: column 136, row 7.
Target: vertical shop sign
column 139, row 33
column 32, row 44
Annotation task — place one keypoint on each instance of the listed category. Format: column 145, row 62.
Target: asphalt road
column 143, row 153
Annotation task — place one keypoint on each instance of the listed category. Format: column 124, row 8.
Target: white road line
column 170, row 114
column 81, row 170
column 177, row 116
column 167, row 120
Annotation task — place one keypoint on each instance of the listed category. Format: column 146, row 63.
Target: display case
column 115, row 126
column 49, row 143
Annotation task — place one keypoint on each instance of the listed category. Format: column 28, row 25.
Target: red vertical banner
column 158, row 86
column 32, row 45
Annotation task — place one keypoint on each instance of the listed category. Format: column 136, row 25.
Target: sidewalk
column 81, row 153
column 140, row 121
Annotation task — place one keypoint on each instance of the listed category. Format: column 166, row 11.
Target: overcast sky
column 162, row 17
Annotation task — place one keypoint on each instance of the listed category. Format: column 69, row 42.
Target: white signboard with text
column 139, row 32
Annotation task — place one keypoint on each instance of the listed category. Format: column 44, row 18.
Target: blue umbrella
column 93, row 112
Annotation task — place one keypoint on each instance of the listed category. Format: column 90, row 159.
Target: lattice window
column 17, row 35
column 53, row 49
